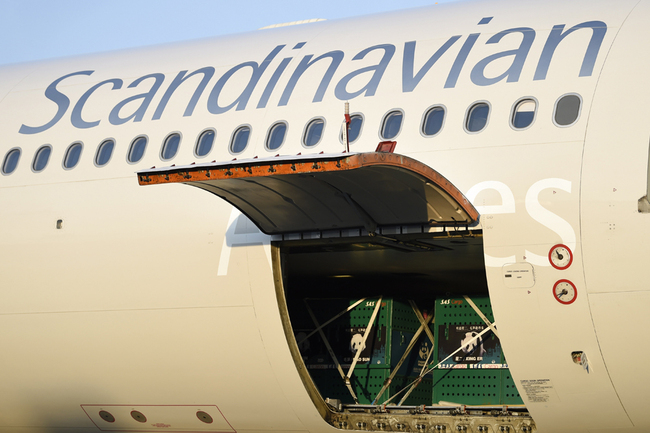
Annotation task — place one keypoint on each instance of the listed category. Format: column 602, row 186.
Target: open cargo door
column 327, row 192
column 380, row 279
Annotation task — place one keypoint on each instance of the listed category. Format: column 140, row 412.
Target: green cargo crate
column 394, row 326
column 390, row 335
column 457, row 323
column 509, row 393
column 367, row 383
column 467, row 386
column 478, row 374
column 475, row 387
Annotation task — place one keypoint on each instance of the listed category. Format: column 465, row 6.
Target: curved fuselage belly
column 138, row 300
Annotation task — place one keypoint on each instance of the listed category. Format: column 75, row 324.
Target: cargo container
column 465, row 369
column 477, row 374
column 389, row 336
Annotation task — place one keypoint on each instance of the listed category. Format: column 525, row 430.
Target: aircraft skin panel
column 278, row 355
column 165, row 295
column 620, row 352
column 155, row 374
column 612, row 186
column 614, row 228
column 539, row 333
column 99, row 230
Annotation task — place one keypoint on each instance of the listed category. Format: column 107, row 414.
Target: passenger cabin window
column 41, row 158
column 433, row 121
column 276, row 135
column 204, row 143
column 567, row 110
column 136, row 150
column 392, row 125
column 170, row 147
column 72, row 155
column 239, row 140
column 313, row 132
column 523, row 113
column 11, row 161
column 104, row 153
column 356, row 122
column 477, row 117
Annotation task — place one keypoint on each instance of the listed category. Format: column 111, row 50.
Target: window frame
column 198, row 141
column 270, row 130
column 96, row 157
column 4, row 161
column 513, row 112
column 383, row 124
column 234, row 133
column 130, row 149
column 306, row 129
column 67, row 152
column 45, row 146
column 579, row 109
column 164, row 143
column 424, row 118
column 469, row 111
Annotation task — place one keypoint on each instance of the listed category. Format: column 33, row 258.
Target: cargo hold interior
column 432, row 272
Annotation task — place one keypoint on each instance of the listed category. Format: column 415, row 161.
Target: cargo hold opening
column 423, row 265
column 380, row 279
column 430, row 272
column 328, row 290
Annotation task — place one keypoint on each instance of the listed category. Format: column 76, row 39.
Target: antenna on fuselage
column 346, row 128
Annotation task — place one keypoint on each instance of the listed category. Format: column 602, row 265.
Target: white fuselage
column 134, row 298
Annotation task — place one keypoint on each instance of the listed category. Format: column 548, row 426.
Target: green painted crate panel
column 478, row 374
column 457, row 311
column 509, row 393
column 367, row 384
column 457, row 324
column 468, row 386
column 395, row 325
column 419, row 396
column 396, row 314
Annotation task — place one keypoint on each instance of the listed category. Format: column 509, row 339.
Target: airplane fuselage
column 162, row 299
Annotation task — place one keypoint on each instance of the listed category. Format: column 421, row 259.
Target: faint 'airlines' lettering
column 534, row 208
column 242, row 232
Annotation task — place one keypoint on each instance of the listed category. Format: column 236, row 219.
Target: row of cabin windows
column 567, row 111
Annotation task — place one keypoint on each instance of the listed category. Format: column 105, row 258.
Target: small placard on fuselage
column 518, row 275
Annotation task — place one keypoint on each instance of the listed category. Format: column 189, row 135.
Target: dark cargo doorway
column 380, row 279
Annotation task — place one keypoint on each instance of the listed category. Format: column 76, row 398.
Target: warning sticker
column 474, row 349
column 538, row 390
